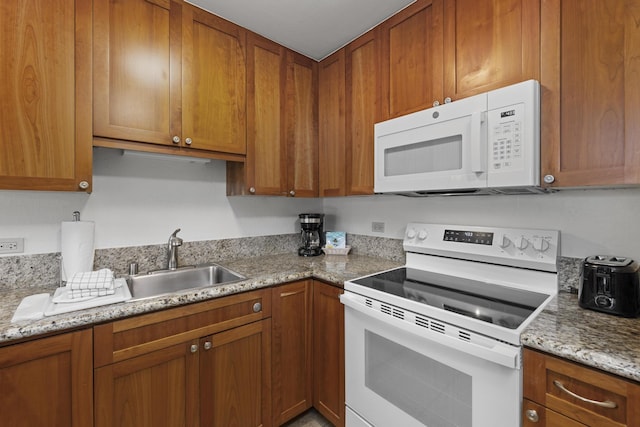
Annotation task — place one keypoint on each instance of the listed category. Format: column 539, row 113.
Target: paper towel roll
column 76, row 247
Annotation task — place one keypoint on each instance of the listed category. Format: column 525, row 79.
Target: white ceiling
column 314, row 28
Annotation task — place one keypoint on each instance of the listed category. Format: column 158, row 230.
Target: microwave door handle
column 478, row 151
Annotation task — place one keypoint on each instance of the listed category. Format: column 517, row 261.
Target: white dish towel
column 91, row 284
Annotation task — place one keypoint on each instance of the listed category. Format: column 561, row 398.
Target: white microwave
column 488, row 143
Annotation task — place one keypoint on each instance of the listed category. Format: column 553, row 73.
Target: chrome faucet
column 172, row 250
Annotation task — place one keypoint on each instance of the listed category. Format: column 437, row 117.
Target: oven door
column 401, row 374
column 438, row 149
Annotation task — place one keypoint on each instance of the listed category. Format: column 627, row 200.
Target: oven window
column 431, row 392
column 428, row 156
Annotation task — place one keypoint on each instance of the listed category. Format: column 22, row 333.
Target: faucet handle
column 174, row 240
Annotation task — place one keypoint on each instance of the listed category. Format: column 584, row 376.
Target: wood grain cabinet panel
column 282, row 157
column 291, row 349
column 203, row 364
column 591, row 92
column 328, row 352
column 213, row 83
column 604, row 400
column 363, row 110
column 489, row 44
column 170, row 76
column 331, row 113
column 47, row 382
column 412, row 59
column 45, row 113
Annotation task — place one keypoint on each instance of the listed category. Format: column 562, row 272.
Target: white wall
column 590, row 221
column 139, row 201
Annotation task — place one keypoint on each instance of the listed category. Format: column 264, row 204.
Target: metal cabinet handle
column 208, row 345
column 188, row 141
column 257, row 307
column 436, row 103
column 549, row 179
column 292, row 193
column 447, row 100
column 83, row 185
column 605, row 404
column 532, row 415
column 193, row 348
column 176, row 139
column 252, row 190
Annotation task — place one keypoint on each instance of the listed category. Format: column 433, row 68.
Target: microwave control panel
column 506, row 132
column 513, row 140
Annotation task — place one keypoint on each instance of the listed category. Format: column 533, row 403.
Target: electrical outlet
column 12, row 245
column 377, row 227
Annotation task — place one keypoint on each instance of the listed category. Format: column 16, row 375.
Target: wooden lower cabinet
column 328, row 352
column 204, row 364
column 47, row 382
column 551, row 387
column 291, row 349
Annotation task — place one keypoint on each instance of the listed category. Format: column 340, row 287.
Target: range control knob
column 411, row 233
column 422, row 234
column 540, row 244
column 504, row 242
column 521, row 243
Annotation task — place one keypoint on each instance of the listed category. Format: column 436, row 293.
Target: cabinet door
column 213, row 83
column 301, row 119
column 328, row 352
column 412, row 53
column 591, row 92
column 235, row 377
column 364, row 105
column 45, row 113
column 47, row 382
column 266, row 163
column 158, row 389
column 534, row 415
column 331, row 112
column 489, row 44
column 291, row 350
column 137, row 72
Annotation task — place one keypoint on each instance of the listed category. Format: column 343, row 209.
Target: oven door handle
column 501, row 353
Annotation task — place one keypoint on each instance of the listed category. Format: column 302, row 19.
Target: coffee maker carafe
column 311, row 234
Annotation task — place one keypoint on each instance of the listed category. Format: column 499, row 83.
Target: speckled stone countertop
column 261, row 272
column 599, row 340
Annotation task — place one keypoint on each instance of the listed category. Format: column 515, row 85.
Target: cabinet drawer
column 581, row 393
column 134, row 336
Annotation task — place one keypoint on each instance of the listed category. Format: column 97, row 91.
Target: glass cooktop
column 488, row 302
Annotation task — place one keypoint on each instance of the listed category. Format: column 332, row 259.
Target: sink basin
column 164, row 282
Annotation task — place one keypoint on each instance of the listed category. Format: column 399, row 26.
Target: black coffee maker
column 311, row 234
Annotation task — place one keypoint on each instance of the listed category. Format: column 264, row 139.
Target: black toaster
column 610, row 284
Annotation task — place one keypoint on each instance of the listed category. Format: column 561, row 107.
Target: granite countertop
column 263, row 271
column 599, row 340
column 563, row 329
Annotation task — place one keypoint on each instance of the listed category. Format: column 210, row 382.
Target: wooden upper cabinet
column 412, row 53
column 266, row 164
column 282, row 138
column 364, row 104
column 591, row 92
column 213, row 83
column 488, row 44
column 45, row 113
column 301, row 121
column 331, row 113
column 169, row 74
column 137, row 71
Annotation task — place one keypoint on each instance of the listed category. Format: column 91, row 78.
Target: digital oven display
column 475, row 237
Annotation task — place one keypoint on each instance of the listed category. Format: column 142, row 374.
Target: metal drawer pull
column 605, row 404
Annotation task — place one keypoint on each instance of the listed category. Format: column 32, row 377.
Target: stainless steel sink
column 162, row 282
